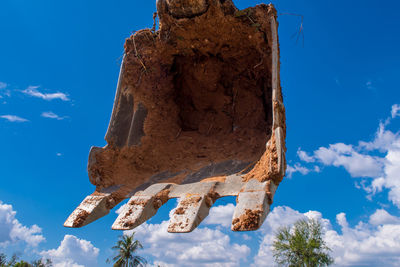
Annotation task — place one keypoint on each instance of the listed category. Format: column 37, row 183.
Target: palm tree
column 42, row 263
column 302, row 245
column 3, row 259
column 22, row 263
column 126, row 249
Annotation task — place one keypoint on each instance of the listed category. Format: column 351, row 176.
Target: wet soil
column 205, row 84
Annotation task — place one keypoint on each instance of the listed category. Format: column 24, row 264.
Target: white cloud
column 58, row 154
column 12, row 231
column 355, row 163
column 395, row 111
column 13, row 118
column 51, row 115
column 4, row 92
column 221, row 215
column 384, row 170
column 33, row 91
column 161, row 264
column 362, row 160
column 383, row 140
column 73, row 252
column 392, row 173
column 202, row 247
column 381, row 216
column 298, row 168
column 304, row 156
column 366, row 244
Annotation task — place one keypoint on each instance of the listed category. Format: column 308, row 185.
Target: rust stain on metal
column 80, row 218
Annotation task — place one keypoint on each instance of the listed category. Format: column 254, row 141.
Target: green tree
column 11, row 263
column 13, row 260
column 301, row 245
column 22, row 264
column 42, row 263
column 126, row 249
column 3, row 259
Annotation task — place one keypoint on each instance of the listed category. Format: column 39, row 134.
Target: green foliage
column 13, row 262
column 42, row 263
column 302, row 245
column 3, row 259
column 126, row 249
column 10, row 263
column 22, row 264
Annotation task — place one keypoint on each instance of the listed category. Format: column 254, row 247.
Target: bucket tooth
column 253, row 205
column 193, row 207
column 135, row 212
column 188, row 215
column 92, row 208
column 142, row 206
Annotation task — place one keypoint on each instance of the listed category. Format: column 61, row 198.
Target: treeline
column 14, row 261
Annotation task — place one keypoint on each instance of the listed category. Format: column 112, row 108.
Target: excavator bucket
column 198, row 115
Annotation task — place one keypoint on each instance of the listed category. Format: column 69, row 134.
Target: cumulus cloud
column 3, row 85
column 378, row 159
column 33, row 91
column 381, row 216
column 304, row 156
column 12, row 231
column 73, row 252
column 366, row 244
column 384, row 170
column 383, row 140
column 221, row 215
column 355, row 163
column 51, row 115
column 13, row 118
column 202, row 247
column 290, row 170
column 391, row 175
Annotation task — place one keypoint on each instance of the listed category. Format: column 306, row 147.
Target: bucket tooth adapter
column 198, row 115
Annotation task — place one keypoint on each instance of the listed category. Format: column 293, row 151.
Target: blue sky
column 59, row 63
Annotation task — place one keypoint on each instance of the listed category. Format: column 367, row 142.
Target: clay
column 204, row 79
column 180, row 211
column 191, row 200
column 266, row 167
column 186, row 8
column 211, row 197
column 161, row 198
column 248, row 221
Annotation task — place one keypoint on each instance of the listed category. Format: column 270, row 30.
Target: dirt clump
column 250, row 220
column 161, row 198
